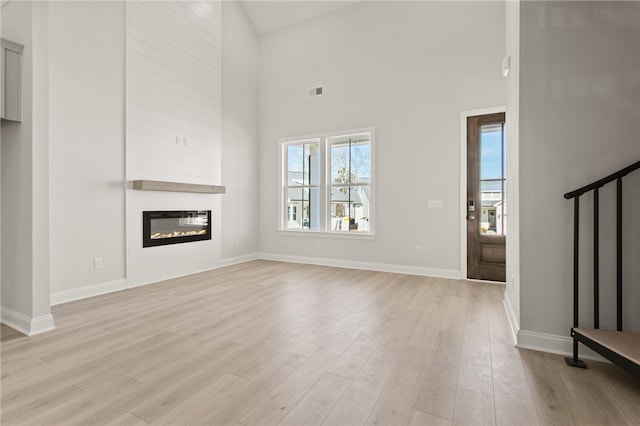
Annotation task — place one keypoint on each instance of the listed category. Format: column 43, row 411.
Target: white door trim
column 463, row 179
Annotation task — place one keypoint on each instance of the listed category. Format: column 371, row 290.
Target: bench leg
column 574, row 361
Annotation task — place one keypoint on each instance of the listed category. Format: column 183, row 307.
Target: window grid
column 326, row 214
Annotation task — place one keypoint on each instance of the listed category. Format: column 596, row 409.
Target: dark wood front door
column 486, row 208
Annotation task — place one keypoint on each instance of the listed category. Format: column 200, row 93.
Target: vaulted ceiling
column 268, row 16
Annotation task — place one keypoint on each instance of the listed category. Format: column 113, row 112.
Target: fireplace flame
column 174, row 234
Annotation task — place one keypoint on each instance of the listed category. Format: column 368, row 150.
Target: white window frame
column 325, row 186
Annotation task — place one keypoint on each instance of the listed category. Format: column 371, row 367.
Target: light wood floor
column 275, row 343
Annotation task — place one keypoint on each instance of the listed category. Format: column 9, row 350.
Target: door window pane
column 493, row 207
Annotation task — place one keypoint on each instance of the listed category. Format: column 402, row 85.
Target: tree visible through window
column 350, row 182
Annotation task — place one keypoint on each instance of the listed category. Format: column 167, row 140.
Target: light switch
column 434, row 204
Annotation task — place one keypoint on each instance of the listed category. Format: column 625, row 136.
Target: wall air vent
column 316, row 91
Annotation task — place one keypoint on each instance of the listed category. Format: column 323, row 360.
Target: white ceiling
column 268, row 16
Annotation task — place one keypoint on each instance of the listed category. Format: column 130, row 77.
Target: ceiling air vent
column 316, row 91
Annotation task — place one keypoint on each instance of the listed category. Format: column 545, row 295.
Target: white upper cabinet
column 11, row 69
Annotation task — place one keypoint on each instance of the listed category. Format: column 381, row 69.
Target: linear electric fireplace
column 160, row 228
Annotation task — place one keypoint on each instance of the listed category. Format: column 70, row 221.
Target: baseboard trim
column 24, row 324
column 131, row 284
column 84, row 292
column 223, row 263
column 560, row 345
column 16, row 320
column 239, row 259
column 511, row 318
column 41, row 324
column 369, row 266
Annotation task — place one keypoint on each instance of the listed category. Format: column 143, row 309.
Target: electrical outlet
column 97, row 263
column 237, row 242
column 418, row 250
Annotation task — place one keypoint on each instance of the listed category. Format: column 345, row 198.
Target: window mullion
column 284, row 203
column 349, row 180
column 324, row 161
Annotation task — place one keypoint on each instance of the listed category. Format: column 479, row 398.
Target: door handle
column 471, row 218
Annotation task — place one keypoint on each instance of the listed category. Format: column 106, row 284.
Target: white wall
column 512, row 31
column 87, row 74
column 408, row 69
column 25, row 175
column 579, row 121
column 240, row 69
column 173, row 127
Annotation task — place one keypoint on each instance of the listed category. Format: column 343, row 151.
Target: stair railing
column 575, row 195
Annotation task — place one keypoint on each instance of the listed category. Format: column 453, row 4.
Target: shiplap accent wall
column 173, row 127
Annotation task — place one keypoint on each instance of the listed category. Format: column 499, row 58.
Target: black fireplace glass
column 173, row 227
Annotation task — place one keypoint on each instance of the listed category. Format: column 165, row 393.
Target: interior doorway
column 486, row 195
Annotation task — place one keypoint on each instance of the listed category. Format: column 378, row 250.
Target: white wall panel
column 162, row 17
column 173, row 127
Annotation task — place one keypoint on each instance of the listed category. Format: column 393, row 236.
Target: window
column 327, row 183
column 493, row 182
column 302, row 184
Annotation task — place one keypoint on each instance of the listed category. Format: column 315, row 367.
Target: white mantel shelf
column 156, row 185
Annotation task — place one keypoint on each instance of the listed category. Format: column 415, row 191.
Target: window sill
column 321, row 234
